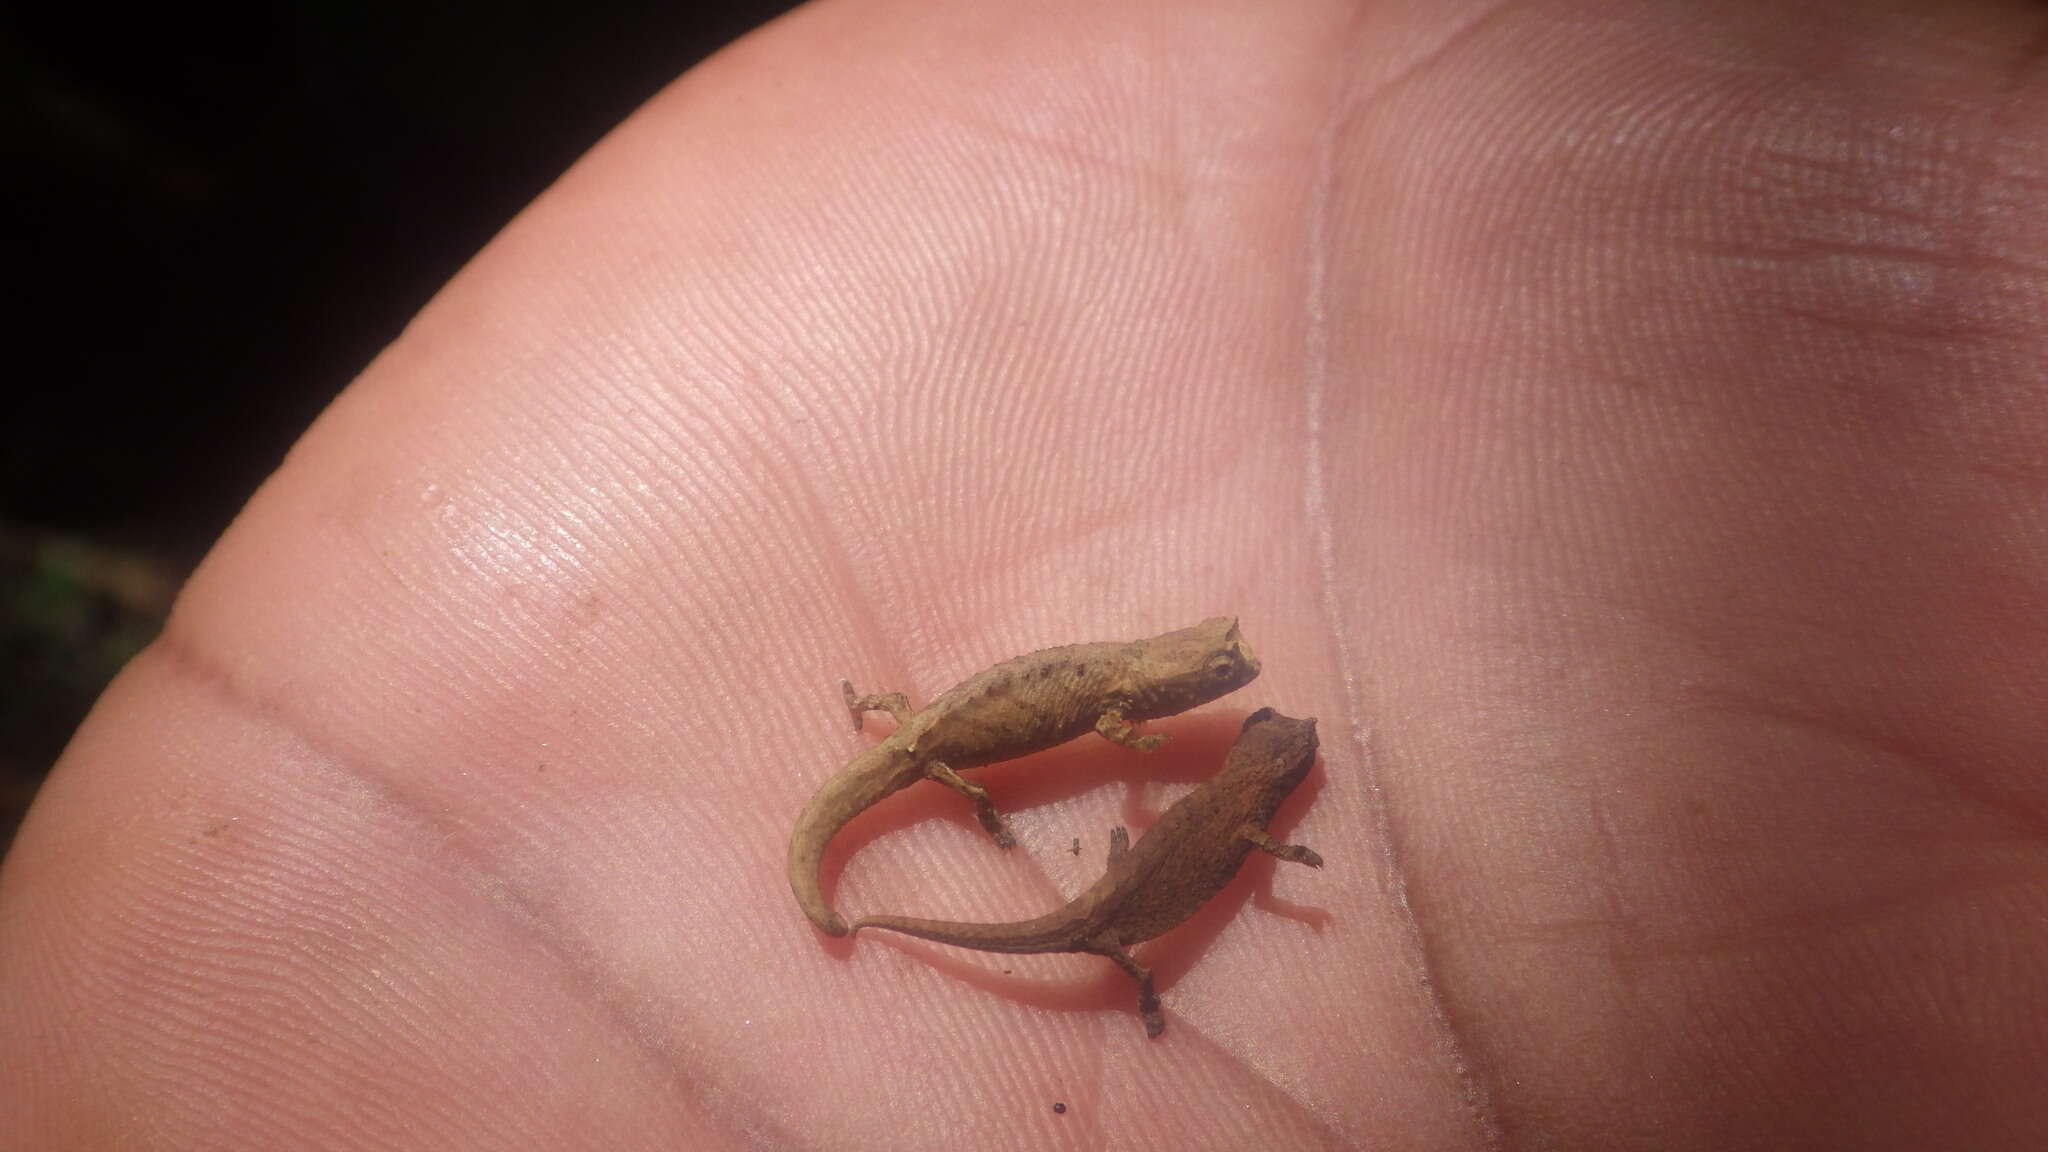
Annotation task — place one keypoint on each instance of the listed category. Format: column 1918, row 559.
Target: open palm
column 1622, row 426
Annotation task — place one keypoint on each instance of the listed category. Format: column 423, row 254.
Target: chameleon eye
column 1222, row 666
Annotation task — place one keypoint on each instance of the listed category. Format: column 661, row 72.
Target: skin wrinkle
column 1345, row 110
column 1920, row 331
column 1942, row 235
column 1802, row 926
column 551, row 940
column 872, row 630
column 770, row 449
column 1644, row 947
column 867, row 623
column 1291, row 1102
column 1965, row 258
column 1114, row 519
column 1356, row 106
column 1148, row 170
column 2025, row 62
column 1895, row 750
column 1975, row 229
column 1632, row 932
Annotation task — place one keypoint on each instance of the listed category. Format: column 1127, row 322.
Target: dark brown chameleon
column 1185, row 859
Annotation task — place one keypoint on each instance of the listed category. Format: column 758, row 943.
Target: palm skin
column 1621, row 425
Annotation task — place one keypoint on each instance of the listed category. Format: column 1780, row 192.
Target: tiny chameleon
column 1015, row 708
column 1186, row 858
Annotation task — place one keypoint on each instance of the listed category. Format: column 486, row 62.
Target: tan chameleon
column 1187, row 857
column 1015, row 708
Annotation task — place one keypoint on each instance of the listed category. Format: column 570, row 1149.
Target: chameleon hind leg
column 1148, row 999
column 895, row 704
column 984, row 808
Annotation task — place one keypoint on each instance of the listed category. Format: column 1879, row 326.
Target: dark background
column 221, row 214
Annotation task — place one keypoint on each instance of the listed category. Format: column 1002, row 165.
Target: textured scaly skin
column 1016, row 708
column 1187, row 857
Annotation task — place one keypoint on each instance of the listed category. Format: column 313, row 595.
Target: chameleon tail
column 1052, row 932
column 806, row 855
column 875, row 774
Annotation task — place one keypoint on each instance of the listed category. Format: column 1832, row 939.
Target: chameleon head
column 1192, row 666
column 1279, row 748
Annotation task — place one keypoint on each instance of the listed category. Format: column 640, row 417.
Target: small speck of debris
column 1077, row 845
column 1059, row 1108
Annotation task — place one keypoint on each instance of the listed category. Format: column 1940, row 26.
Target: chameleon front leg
column 1292, row 853
column 984, row 809
column 1119, row 843
column 1148, row 1000
column 894, row 703
column 1115, row 727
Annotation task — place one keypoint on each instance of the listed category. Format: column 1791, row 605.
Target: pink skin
column 1622, row 425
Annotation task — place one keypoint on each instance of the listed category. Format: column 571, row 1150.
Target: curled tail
column 874, row 774
column 806, row 854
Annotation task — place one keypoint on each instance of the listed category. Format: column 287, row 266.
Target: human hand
column 1621, row 426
